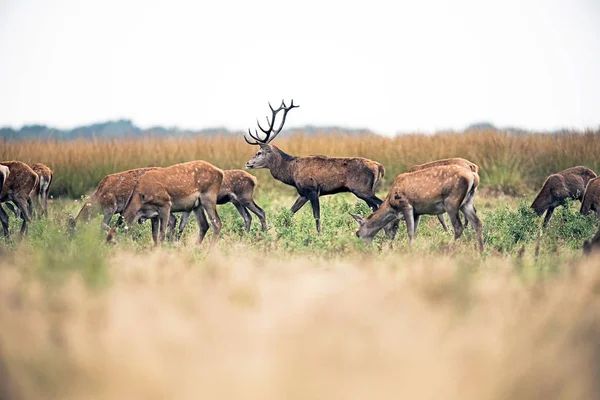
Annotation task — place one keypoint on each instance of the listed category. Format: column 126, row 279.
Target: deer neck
column 282, row 167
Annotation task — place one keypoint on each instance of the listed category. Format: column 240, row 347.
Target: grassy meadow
column 289, row 313
column 510, row 164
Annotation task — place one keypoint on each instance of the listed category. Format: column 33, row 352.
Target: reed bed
column 511, row 164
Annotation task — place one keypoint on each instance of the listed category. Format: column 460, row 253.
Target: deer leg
column 108, row 214
column 471, row 215
column 547, row 217
column 300, row 201
column 372, row 201
column 172, row 226
column 314, row 202
column 391, row 229
column 154, row 222
column 45, row 200
column 244, row 213
column 35, row 206
column 164, row 214
column 25, row 215
column 441, row 219
column 210, row 205
column 183, row 223
column 13, row 209
column 456, row 223
column 416, row 218
column 410, row 223
column 260, row 213
column 4, row 221
column 202, row 222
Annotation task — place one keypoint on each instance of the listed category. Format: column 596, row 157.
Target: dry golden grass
column 509, row 163
column 233, row 327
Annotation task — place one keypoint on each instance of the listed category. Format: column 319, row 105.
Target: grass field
column 294, row 314
column 509, row 163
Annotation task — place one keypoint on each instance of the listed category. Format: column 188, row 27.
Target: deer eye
column 259, row 153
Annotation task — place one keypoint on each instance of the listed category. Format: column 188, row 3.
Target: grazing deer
column 591, row 198
column 431, row 191
column 238, row 188
column 449, row 161
column 559, row 187
column 182, row 187
column 111, row 195
column 317, row 175
column 18, row 188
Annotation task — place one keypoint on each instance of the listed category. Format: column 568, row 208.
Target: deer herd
column 436, row 188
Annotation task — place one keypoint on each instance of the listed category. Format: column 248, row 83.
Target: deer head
column 265, row 154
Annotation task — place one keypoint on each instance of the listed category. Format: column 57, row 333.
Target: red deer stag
column 191, row 186
column 559, row 187
column 432, row 191
column 449, row 161
column 591, row 198
column 18, row 188
column 317, row 175
column 238, row 188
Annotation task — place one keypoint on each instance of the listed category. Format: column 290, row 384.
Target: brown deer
column 238, row 188
column 18, row 188
column 181, row 187
column 316, row 175
column 41, row 190
column 591, row 198
column 45, row 179
column 111, row 195
column 432, row 191
column 449, row 161
column 559, row 187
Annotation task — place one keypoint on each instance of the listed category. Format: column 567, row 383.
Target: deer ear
column 357, row 218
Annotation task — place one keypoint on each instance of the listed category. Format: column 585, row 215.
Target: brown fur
column 431, row 191
column 111, row 195
column 43, row 188
column 238, row 188
column 449, row 161
column 315, row 176
column 591, row 198
column 559, row 187
column 19, row 185
column 181, row 187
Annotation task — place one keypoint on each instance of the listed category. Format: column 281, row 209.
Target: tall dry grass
column 299, row 328
column 509, row 163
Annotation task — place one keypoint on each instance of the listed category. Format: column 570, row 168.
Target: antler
column 268, row 138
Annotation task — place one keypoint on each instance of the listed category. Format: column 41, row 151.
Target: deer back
column 448, row 161
column 431, row 185
column 21, row 180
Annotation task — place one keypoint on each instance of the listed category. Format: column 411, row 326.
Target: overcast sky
column 391, row 66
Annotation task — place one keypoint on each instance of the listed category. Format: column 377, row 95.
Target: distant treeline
column 125, row 128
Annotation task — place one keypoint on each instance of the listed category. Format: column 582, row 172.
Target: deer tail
column 378, row 176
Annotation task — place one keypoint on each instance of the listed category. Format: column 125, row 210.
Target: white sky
column 385, row 65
